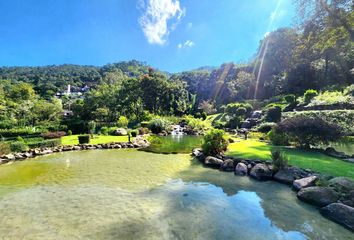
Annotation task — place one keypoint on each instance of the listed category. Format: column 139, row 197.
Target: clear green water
column 174, row 143
column 129, row 194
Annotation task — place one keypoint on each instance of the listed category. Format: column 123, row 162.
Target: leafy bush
column 218, row 124
column 309, row 95
column 306, row 131
column 214, row 142
column 51, row 135
column 134, row 133
column 278, row 138
column 349, row 90
column 45, row 143
column 195, row 123
column 144, row 124
column 290, row 98
column 83, row 139
column 158, row 125
column 105, row 131
column 20, row 139
column 266, row 127
column 143, row 131
column 20, row 132
column 69, row 133
column 232, row 108
column 342, row 118
column 4, row 148
column 273, row 114
column 122, row 122
column 329, row 98
column 279, row 160
column 234, row 122
column 92, row 127
column 18, row 147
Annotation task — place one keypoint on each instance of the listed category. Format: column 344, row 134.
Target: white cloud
column 186, row 44
column 189, row 25
column 159, row 18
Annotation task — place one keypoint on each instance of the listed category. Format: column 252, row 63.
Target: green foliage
column 51, row 135
column 306, row 131
column 84, row 139
column 214, row 142
column 105, row 131
column 278, row 138
column 266, row 127
column 134, row 133
column 232, row 108
column 20, row 132
column 349, row 90
column 69, row 133
column 234, row 122
column 309, row 95
column 91, row 126
column 158, row 125
column 20, row 139
column 45, row 143
column 196, row 123
column 273, row 114
column 343, row 118
column 122, row 122
column 279, row 159
column 4, row 148
column 18, row 147
column 290, row 98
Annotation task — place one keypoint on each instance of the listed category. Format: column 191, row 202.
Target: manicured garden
column 97, row 139
column 253, row 149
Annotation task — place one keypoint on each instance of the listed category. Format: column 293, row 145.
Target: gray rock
column 261, row 172
column 286, row 175
column 228, row 165
column 120, row 132
column 318, row 196
column 241, row 169
column 304, row 182
column 213, row 161
column 9, row 156
column 340, row 213
column 342, row 184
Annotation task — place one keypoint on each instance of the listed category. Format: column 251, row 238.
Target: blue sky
column 172, row 35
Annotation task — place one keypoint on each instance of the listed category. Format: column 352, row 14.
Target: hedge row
column 45, row 143
column 8, row 133
column 343, row 118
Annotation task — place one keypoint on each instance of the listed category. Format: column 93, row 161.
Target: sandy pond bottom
column 129, row 194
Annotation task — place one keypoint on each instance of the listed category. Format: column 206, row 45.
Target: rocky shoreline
column 334, row 198
column 138, row 143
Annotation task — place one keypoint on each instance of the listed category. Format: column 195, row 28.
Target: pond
column 130, row 194
column 174, row 143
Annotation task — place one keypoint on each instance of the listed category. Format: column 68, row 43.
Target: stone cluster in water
column 335, row 198
column 138, row 143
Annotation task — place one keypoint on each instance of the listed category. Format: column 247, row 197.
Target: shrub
column 4, row 148
column 18, row 147
column 158, row 125
column 278, row 138
column 144, row 124
column 20, row 139
column 83, row 139
column 105, row 131
column 134, row 133
column 91, row 126
column 20, row 132
column 232, row 108
column 265, row 127
column 309, row 95
column 349, row 90
column 290, row 98
column 305, row 131
column 218, row 124
column 241, row 111
column 273, row 114
column 214, row 142
column 342, row 118
column 234, row 122
column 279, row 160
column 122, row 122
column 45, row 143
column 51, row 135
column 69, row 133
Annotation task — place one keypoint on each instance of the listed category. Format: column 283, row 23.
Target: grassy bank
column 97, row 139
column 252, row 149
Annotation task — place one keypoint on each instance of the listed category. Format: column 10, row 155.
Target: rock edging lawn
column 138, row 143
column 335, row 198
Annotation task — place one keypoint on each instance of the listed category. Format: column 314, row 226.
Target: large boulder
column 286, row 175
column 197, row 152
column 9, row 156
column 213, row 161
column 120, row 132
column 261, row 172
column 304, row 182
column 318, row 196
column 340, row 213
column 228, row 165
column 241, row 169
column 342, row 184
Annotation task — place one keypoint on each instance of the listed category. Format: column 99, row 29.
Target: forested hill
column 317, row 54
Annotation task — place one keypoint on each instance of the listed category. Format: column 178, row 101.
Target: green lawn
column 97, row 139
column 253, row 149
